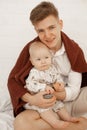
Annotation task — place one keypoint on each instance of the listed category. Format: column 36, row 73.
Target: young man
column 48, row 26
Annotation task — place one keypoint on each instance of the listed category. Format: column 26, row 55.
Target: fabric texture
column 38, row 80
column 19, row 73
column 6, row 110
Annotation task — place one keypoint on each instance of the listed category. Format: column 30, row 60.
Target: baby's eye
column 46, row 57
column 38, row 59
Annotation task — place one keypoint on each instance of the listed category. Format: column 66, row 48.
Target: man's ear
column 61, row 23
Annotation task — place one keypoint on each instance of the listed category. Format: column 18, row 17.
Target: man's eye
column 52, row 27
column 40, row 31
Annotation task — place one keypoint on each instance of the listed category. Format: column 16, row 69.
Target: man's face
column 49, row 32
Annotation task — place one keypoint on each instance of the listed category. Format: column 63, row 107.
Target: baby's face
column 41, row 59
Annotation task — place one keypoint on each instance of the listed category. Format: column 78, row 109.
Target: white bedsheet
column 6, row 120
column 6, row 111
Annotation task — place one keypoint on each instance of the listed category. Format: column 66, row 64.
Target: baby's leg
column 53, row 120
column 64, row 115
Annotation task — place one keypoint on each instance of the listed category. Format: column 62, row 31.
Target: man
column 71, row 65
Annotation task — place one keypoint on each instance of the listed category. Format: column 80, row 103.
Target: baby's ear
column 31, row 60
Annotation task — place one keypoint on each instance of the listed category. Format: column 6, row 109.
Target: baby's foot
column 74, row 119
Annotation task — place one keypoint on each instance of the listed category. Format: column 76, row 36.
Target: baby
column 42, row 77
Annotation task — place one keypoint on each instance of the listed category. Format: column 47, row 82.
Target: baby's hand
column 49, row 90
column 58, row 86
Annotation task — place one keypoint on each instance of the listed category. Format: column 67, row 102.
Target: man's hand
column 60, row 95
column 38, row 99
column 49, row 89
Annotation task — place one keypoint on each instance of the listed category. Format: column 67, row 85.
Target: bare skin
column 31, row 120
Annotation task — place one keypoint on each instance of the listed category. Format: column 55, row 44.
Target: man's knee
column 27, row 114
column 25, row 119
column 80, row 104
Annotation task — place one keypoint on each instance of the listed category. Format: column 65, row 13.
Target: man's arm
column 71, row 89
column 38, row 99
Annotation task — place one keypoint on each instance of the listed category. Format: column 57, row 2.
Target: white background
column 16, row 29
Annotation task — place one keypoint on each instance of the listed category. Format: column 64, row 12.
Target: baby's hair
column 37, row 45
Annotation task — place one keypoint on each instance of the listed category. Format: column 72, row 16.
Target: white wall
column 16, row 29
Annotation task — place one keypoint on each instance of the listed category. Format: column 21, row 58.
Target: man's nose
column 47, row 34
